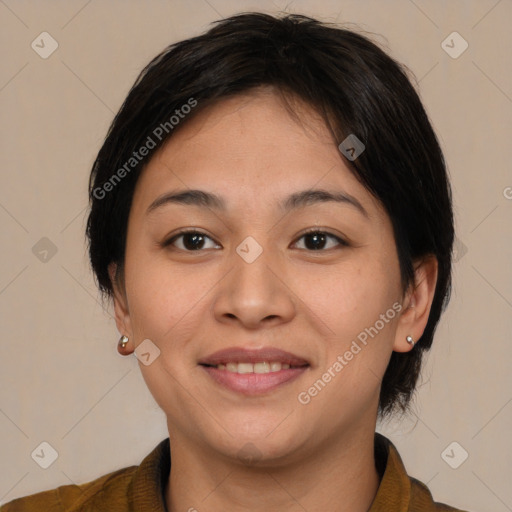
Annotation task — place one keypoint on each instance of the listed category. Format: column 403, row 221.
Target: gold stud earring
column 123, row 340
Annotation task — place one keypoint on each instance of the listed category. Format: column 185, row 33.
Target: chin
column 257, row 441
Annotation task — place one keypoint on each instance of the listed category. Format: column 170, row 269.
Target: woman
column 271, row 216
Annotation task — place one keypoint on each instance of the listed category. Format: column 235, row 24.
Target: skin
column 313, row 303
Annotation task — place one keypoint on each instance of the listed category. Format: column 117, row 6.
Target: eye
column 316, row 239
column 193, row 240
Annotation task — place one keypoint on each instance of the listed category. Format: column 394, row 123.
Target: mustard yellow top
column 141, row 488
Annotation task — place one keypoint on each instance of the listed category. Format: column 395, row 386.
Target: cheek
column 350, row 297
column 166, row 300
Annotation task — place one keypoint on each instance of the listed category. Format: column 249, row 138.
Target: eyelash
column 310, row 231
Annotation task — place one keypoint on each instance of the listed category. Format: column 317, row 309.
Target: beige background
column 63, row 381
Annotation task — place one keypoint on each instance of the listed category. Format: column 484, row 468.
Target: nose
column 255, row 294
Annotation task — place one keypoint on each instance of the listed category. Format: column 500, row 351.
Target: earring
column 123, row 340
column 410, row 340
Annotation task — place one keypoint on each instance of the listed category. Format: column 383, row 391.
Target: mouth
column 253, row 372
column 260, row 367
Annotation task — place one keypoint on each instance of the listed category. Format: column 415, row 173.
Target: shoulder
column 110, row 489
column 422, row 501
column 124, row 490
column 399, row 491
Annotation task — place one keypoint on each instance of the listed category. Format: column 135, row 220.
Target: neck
column 340, row 476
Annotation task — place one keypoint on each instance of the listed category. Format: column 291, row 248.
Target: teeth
column 275, row 367
column 245, row 368
column 262, row 367
column 231, row 367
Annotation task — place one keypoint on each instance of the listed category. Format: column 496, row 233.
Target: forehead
column 250, row 150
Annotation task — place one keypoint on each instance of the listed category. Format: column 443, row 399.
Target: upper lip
column 244, row 355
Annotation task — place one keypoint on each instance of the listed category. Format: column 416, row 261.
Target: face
column 248, row 275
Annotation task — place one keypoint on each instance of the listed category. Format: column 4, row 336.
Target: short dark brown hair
column 348, row 79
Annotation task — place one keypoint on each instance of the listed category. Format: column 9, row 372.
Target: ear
column 122, row 313
column 417, row 304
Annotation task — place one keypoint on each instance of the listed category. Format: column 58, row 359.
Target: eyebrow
column 294, row 201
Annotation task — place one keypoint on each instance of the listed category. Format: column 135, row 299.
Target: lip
column 254, row 383
column 243, row 355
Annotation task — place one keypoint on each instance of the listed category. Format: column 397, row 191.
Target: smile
column 254, row 379
column 262, row 367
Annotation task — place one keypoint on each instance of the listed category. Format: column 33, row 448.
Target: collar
column 146, row 491
column 394, row 492
column 147, row 487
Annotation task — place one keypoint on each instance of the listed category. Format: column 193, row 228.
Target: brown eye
column 316, row 240
column 191, row 241
column 194, row 241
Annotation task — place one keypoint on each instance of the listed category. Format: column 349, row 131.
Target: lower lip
column 254, row 383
